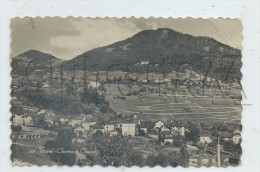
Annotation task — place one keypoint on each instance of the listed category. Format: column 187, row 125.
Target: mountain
column 30, row 72
column 33, row 54
column 33, row 60
column 155, row 45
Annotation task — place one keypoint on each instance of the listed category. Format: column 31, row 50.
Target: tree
column 97, row 135
column 201, row 146
column 40, row 121
column 142, row 132
column 136, row 159
column 184, row 157
column 199, row 163
column 116, row 151
column 194, row 134
column 178, row 141
column 16, row 128
column 161, row 160
column 62, row 142
column 232, row 147
column 104, row 108
column 210, row 162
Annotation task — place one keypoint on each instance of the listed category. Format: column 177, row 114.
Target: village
column 152, row 110
column 167, row 136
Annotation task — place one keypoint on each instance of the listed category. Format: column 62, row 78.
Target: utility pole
column 218, row 153
column 159, row 86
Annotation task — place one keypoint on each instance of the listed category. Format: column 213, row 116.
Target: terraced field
column 154, row 107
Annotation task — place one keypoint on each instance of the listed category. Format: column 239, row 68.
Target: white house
column 158, row 124
column 14, row 98
column 113, row 133
column 205, row 138
column 63, row 120
column 41, row 112
column 109, row 127
column 23, row 119
column 18, row 119
column 164, row 128
column 144, row 62
column 86, row 125
column 75, row 122
column 93, row 84
column 236, row 138
column 128, row 129
column 180, row 130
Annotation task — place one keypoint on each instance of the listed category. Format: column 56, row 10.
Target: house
column 180, row 130
column 143, row 125
column 46, row 86
column 75, row 122
column 193, row 162
column 17, row 119
column 63, row 120
column 41, row 112
column 205, row 138
column 144, row 81
column 158, row 125
column 93, row 84
column 14, row 98
column 237, row 132
column 236, row 138
column 23, row 119
column 117, row 125
column 166, row 138
column 128, row 129
column 109, row 127
column 49, row 122
column 227, row 136
column 144, row 62
column 164, row 128
column 143, row 128
column 86, row 125
column 93, row 122
column 113, row 133
column 79, row 130
column 98, row 127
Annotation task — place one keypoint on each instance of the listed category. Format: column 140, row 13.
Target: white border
column 248, row 11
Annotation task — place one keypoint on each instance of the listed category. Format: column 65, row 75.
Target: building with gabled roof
column 205, row 138
column 166, row 138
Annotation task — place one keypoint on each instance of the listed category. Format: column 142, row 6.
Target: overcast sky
column 66, row 38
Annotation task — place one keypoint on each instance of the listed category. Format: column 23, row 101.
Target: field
column 27, row 152
column 189, row 108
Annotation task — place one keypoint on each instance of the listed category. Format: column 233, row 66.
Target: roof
column 166, row 127
column 205, row 133
column 159, row 121
column 114, row 131
column 97, row 126
column 175, row 133
column 129, row 123
column 143, row 124
column 227, row 135
column 166, row 133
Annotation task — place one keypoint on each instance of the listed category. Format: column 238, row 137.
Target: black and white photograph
column 126, row 91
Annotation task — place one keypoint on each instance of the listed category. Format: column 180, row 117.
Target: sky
column 66, row 38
